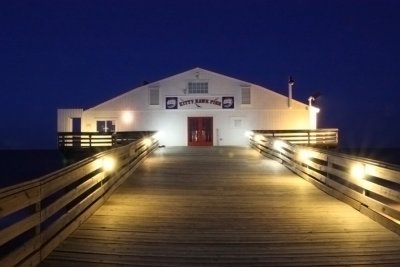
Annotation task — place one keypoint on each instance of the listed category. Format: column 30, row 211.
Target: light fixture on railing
column 304, row 154
column 278, row 145
column 258, row 138
column 249, row 134
column 357, row 171
column 108, row 164
column 147, row 142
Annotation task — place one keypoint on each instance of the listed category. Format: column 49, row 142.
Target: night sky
column 77, row 54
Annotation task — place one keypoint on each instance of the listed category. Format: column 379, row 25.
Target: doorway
column 200, row 131
column 76, row 129
column 76, row 125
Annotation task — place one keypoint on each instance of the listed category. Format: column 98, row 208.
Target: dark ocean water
column 24, row 165
column 388, row 155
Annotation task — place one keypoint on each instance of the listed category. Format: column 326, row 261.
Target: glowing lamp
column 304, row 154
column 358, row 171
column 147, row 142
column 127, row 117
column 258, row 138
column 278, row 145
column 108, row 164
column 158, row 135
column 248, row 134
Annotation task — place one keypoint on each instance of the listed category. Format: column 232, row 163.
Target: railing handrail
column 298, row 130
column 84, row 140
column 36, row 216
column 370, row 186
column 325, row 137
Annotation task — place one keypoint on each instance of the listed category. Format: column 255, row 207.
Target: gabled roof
column 185, row 73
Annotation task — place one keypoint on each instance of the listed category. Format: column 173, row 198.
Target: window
column 154, row 96
column 237, row 122
column 198, row 87
column 105, row 126
column 246, row 96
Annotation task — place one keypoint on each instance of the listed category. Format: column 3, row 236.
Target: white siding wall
column 64, row 118
column 313, row 117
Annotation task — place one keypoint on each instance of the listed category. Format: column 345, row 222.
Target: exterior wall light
column 127, row 117
column 108, row 164
column 249, row 134
column 158, row 135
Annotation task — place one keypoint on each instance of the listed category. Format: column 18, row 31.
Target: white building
column 196, row 107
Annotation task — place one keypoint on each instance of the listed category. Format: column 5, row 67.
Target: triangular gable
column 191, row 71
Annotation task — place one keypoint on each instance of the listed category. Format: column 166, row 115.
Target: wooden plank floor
column 224, row 207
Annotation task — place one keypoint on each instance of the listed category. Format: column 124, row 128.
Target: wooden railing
column 317, row 138
column 68, row 140
column 372, row 187
column 85, row 140
column 37, row 216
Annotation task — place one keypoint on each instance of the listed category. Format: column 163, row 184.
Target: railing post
column 38, row 209
column 328, row 167
column 337, row 136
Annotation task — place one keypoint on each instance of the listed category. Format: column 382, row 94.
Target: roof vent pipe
column 290, row 83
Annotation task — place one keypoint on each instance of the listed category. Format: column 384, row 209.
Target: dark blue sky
column 67, row 54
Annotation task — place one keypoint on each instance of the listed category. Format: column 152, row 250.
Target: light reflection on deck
column 224, row 206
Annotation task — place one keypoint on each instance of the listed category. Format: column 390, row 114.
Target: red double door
column 200, row 131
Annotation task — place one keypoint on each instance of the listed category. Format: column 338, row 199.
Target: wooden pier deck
column 224, row 206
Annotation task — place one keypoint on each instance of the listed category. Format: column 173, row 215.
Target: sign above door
column 203, row 102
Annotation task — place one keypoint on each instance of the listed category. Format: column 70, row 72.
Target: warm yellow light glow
column 108, row 164
column 258, row 138
column 370, row 169
column 147, row 142
column 158, row 135
column 278, row 145
column 248, row 134
column 304, row 154
column 127, row 117
column 358, row 171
